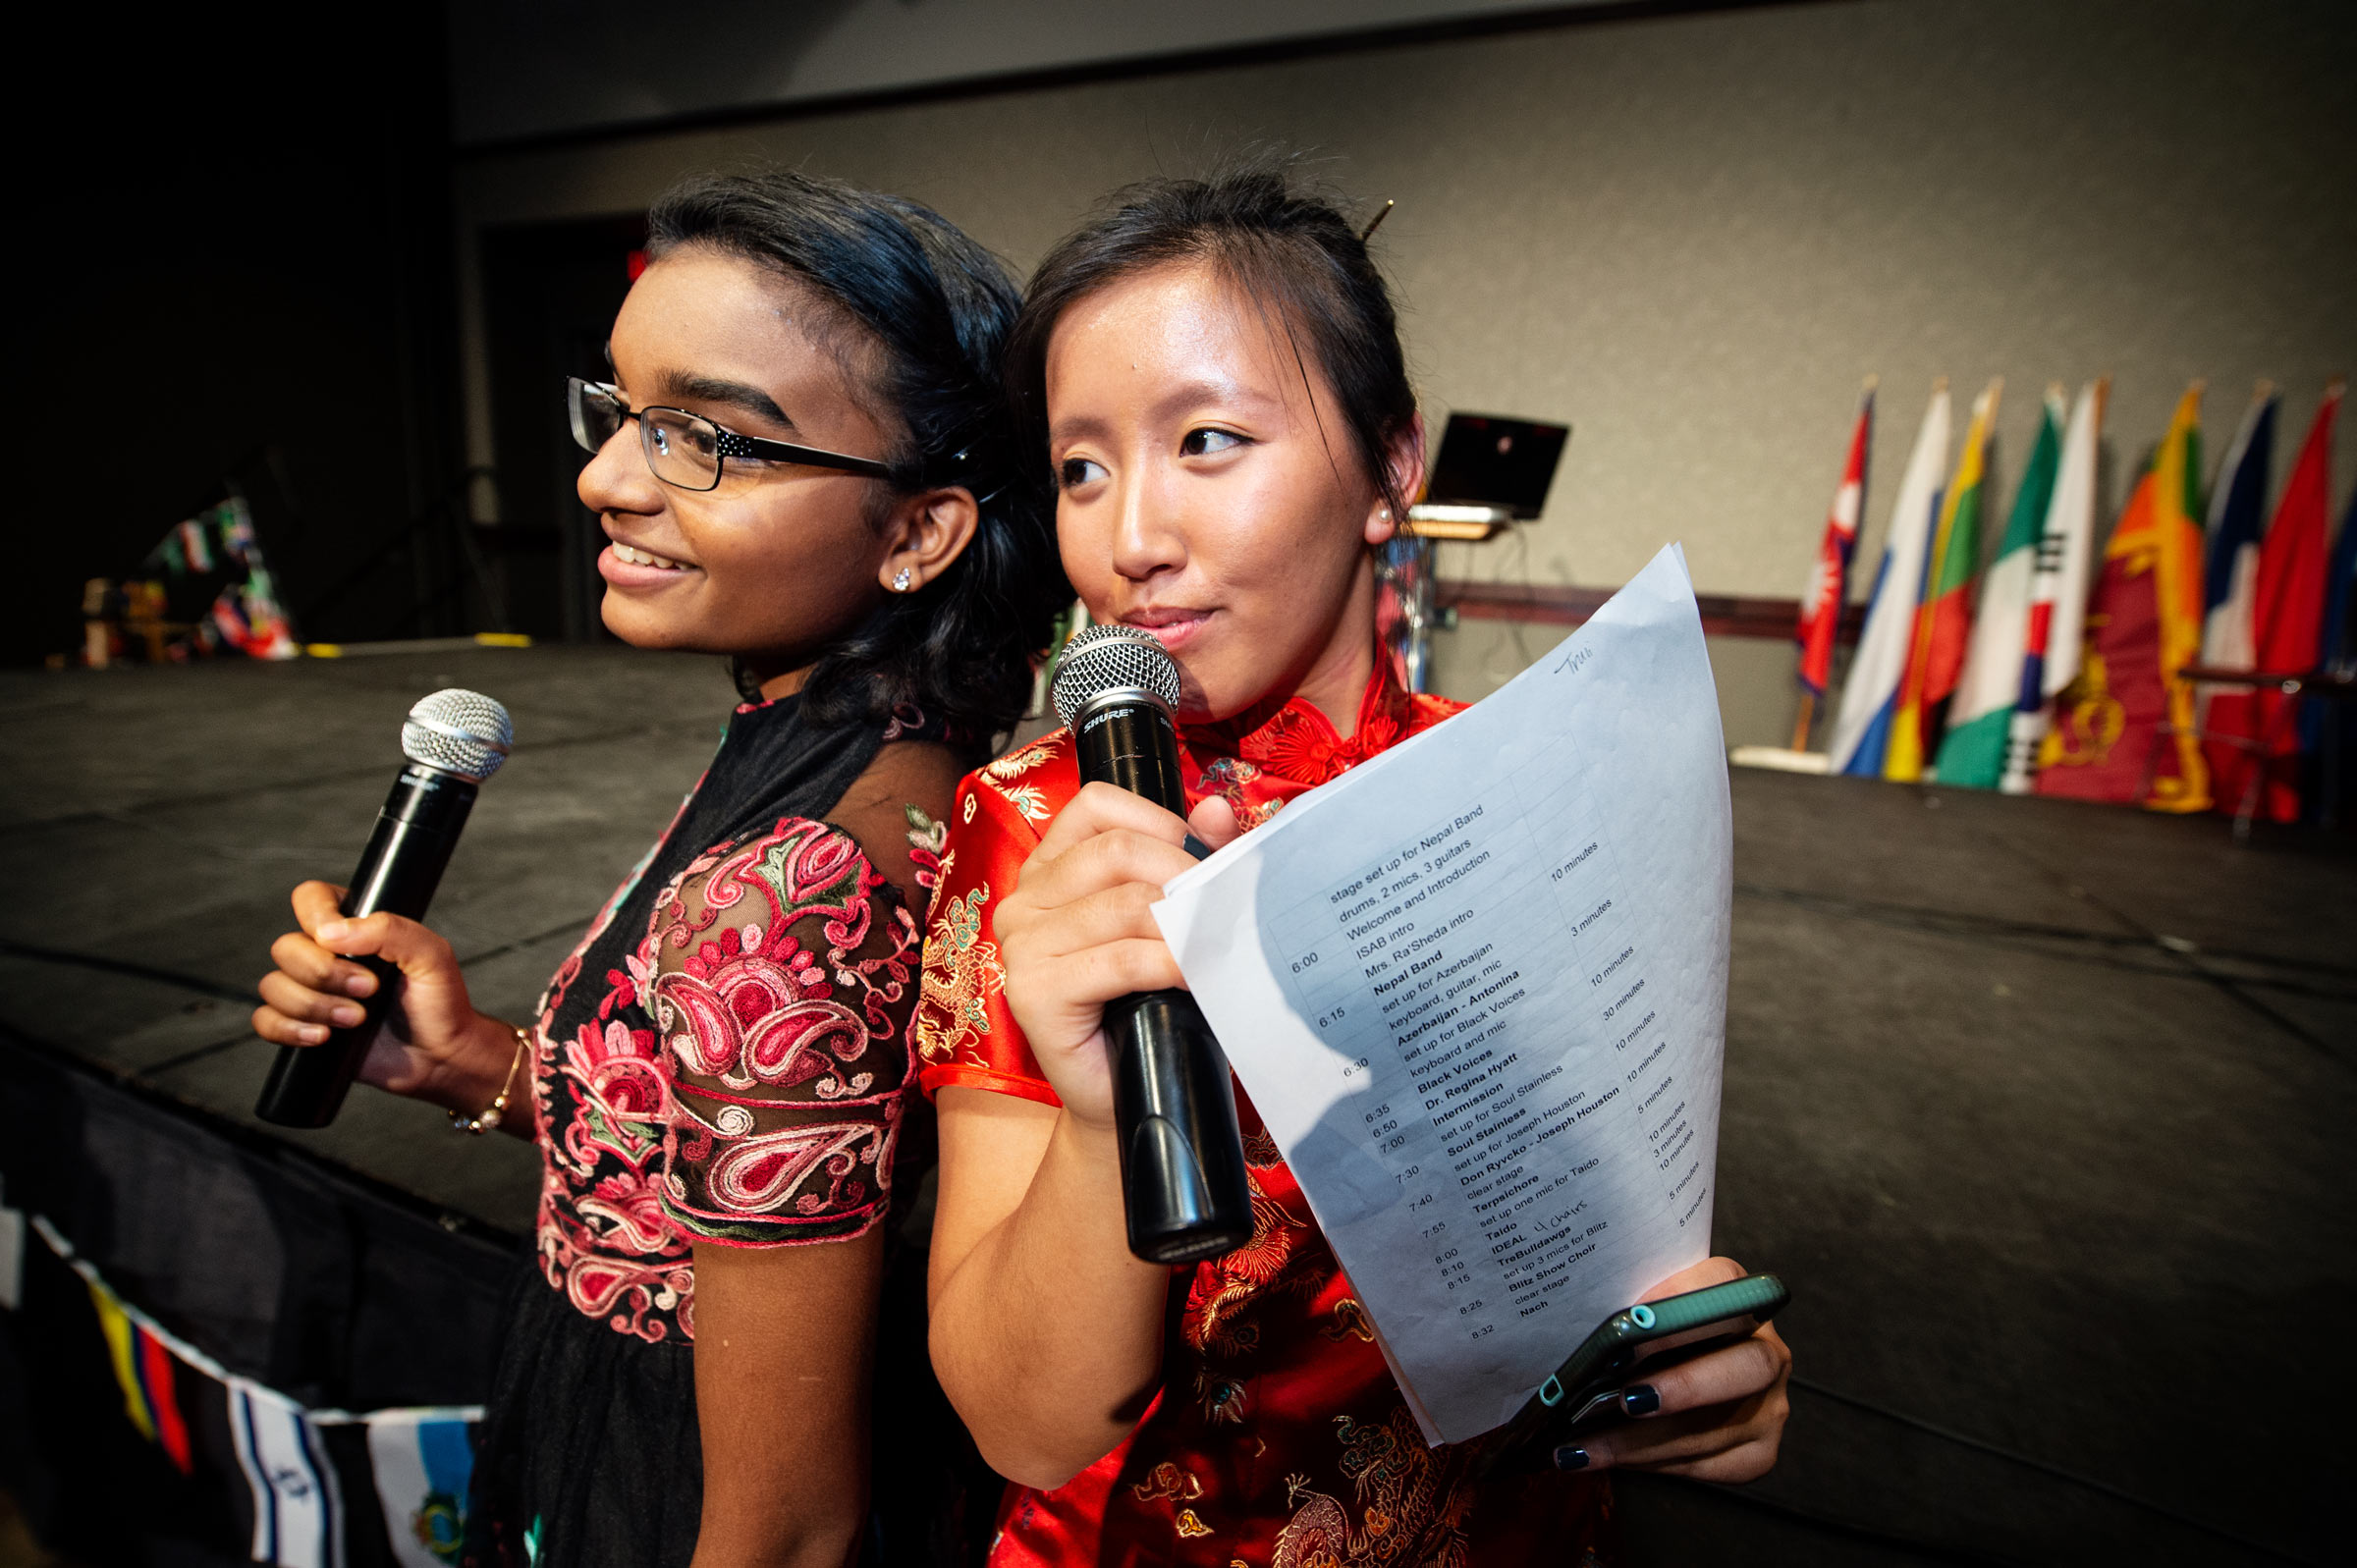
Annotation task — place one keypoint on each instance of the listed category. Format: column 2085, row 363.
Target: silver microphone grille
column 1106, row 658
column 459, row 731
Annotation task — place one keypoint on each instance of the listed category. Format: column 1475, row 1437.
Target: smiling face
column 781, row 559
column 1210, row 493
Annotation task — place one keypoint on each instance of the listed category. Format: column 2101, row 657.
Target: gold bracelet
column 496, row 1112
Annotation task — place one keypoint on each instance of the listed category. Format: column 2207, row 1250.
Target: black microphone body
column 399, row 871
column 1183, row 1185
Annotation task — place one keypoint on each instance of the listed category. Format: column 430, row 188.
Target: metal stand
column 1405, row 580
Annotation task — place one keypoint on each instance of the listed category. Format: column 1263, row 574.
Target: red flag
column 2288, row 613
column 2105, row 718
column 1821, row 604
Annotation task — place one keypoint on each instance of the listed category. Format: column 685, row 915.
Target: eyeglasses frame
column 729, row 444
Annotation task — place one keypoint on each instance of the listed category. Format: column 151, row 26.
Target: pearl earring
column 900, row 580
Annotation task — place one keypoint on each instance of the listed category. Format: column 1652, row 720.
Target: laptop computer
column 1491, row 460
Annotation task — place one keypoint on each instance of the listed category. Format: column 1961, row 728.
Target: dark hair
column 928, row 312
column 1282, row 246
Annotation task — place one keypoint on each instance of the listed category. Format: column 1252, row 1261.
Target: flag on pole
column 2288, row 616
column 1980, row 719
column 2230, row 590
column 1870, row 694
column 2058, row 589
column 2143, row 624
column 2180, row 776
column 1821, row 604
column 2088, row 754
column 1943, row 619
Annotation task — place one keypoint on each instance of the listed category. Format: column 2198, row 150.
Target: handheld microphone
column 454, row 740
column 1183, row 1186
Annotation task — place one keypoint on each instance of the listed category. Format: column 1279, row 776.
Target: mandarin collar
column 1300, row 743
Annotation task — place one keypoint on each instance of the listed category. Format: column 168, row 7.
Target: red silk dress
column 1279, row 1438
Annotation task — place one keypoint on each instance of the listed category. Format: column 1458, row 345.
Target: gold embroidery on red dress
column 1350, row 1321
column 962, row 973
column 1412, row 1504
column 1167, row 1480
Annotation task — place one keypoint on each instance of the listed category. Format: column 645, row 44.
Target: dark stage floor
column 2041, row 1110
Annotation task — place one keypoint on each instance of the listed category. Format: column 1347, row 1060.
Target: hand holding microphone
column 364, row 989
column 1089, row 977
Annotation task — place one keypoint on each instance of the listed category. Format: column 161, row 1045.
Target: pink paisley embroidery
column 777, row 1000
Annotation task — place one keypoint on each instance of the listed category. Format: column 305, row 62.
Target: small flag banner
column 287, row 1476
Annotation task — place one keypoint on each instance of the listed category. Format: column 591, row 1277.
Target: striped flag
column 1821, row 604
column 143, row 1371
column 1979, row 719
column 1870, row 694
column 297, row 1509
column 2229, row 591
column 2058, row 589
column 1943, row 619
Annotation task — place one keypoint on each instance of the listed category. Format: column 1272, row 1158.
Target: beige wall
column 1691, row 236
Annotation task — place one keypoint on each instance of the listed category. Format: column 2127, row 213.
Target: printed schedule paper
column 1478, row 990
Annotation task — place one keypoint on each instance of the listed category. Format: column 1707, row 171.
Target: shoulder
column 1017, row 795
column 965, row 1034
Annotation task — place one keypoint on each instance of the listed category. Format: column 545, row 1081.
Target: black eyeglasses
column 686, row 450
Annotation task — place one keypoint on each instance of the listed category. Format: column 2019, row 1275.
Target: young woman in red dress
column 1215, row 372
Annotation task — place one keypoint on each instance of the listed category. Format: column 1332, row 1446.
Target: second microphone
column 1185, row 1191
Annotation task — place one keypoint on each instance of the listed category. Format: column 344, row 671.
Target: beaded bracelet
column 497, row 1110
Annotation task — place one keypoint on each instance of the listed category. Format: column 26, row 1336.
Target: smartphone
column 1661, row 1333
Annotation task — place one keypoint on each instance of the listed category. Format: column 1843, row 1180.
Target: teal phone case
column 1621, row 1340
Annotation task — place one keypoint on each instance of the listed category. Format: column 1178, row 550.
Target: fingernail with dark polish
column 1569, row 1457
column 1639, row 1400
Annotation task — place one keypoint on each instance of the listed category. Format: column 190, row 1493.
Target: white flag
column 2058, row 590
column 1862, row 728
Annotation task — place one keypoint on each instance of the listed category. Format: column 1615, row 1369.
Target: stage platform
column 2042, row 1110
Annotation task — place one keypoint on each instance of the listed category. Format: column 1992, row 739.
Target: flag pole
column 1800, row 726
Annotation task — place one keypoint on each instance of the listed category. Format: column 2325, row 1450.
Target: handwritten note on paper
column 1478, row 990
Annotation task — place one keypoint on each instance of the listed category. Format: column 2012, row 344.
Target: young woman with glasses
column 803, row 463
column 1213, row 372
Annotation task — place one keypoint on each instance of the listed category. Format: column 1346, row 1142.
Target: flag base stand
column 1781, row 759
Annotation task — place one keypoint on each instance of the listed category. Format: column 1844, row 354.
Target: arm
column 1046, row 1332
column 785, row 1338
column 781, row 993
column 434, row 1044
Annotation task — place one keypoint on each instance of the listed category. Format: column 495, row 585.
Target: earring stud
column 900, row 580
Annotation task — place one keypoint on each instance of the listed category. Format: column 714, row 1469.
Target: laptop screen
column 1489, row 460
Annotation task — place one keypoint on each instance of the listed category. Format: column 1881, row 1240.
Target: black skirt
column 589, row 1450
column 588, row 1455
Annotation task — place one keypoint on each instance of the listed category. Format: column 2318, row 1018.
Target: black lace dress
column 721, row 1059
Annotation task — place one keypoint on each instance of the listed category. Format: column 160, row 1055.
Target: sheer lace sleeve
column 785, row 974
